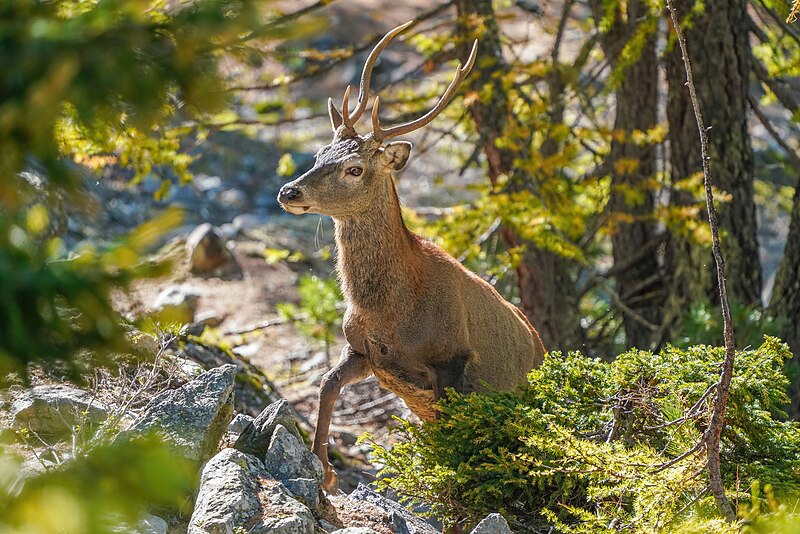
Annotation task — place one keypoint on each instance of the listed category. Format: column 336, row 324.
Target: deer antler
column 380, row 134
column 346, row 118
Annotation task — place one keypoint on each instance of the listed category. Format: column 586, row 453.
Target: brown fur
column 416, row 318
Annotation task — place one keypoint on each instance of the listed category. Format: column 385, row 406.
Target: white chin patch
column 295, row 210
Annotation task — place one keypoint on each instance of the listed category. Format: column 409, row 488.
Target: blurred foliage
column 319, row 313
column 54, row 309
column 702, row 323
column 96, row 83
column 590, row 446
column 98, row 491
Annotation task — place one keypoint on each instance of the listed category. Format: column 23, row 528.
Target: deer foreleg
column 352, row 367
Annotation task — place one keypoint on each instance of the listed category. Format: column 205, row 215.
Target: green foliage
column 96, row 492
column 121, row 66
column 587, row 445
column 53, row 309
column 319, row 313
column 702, row 323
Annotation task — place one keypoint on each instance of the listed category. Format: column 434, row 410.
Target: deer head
column 350, row 171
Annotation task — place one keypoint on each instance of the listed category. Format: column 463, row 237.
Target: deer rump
column 416, row 318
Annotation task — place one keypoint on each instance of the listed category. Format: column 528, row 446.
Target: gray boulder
column 152, row 524
column 149, row 524
column 239, row 423
column 354, row 530
column 492, row 524
column 289, row 461
column 176, row 304
column 237, row 493
column 401, row 521
column 53, row 410
column 207, row 250
column 255, row 439
column 193, row 417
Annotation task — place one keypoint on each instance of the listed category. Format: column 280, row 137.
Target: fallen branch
column 714, row 430
column 253, row 328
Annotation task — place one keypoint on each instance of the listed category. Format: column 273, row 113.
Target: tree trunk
column 785, row 301
column 633, row 167
column 546, row 285
column 718, row 45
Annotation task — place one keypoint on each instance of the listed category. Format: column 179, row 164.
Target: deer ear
column 395, row 155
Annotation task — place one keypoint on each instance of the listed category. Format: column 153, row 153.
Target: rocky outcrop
column 290, row 461
column 399, row 519
column 192, row 418
column 256, row 437
column 253, row 389
column 53, row 410
column 237, row 492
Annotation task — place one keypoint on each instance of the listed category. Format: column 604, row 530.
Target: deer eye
column 354, row 171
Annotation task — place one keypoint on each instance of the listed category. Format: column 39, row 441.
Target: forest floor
column 294, row 363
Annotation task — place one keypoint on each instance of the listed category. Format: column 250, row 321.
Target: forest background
column 567, row 172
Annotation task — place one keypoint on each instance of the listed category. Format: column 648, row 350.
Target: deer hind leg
column 352, row 367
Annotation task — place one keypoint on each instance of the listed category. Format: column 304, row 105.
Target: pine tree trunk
column 785, row 302
column 720, row 51
column 639, row 281
column 546, row 285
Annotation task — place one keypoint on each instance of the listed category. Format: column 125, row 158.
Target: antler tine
column 380, row 134
column 345, row 106
column 366, row 76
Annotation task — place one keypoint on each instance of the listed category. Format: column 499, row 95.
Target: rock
column 239, row 423
column 149, row 524
column 182, row 369
column 52, row 410
column 193, row 329
column 287, row 457
column 176, row 304
column 209, row 318
column 152, row 524
column 233, row 197
column 401, row 521
column 255, row 439
column 207, row 250
column 305, row 489
column 248, row 350
column 492, row 524
column 253, row 390
column 354, row 530
column 237, row 494
column 248, row 221
column 193, row 417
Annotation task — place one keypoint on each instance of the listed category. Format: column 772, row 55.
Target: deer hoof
column 331, row 482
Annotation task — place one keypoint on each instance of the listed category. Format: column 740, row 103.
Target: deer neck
column 376, row 254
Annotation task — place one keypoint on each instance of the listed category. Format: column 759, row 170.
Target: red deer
column 416, row 318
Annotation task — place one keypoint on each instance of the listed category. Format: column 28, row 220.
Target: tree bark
column 639, row 285
column 547, row 289
column 718, row 44
column 785, row 301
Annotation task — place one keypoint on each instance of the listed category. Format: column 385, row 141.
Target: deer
column 415, row 317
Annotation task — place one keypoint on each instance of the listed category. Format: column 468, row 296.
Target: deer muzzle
column 291, row 199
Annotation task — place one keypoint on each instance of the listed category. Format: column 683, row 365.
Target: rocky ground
column 221, row 414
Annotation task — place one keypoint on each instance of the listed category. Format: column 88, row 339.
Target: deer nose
column 288, row 194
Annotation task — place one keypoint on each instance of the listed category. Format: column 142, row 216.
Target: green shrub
column 587, row 445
